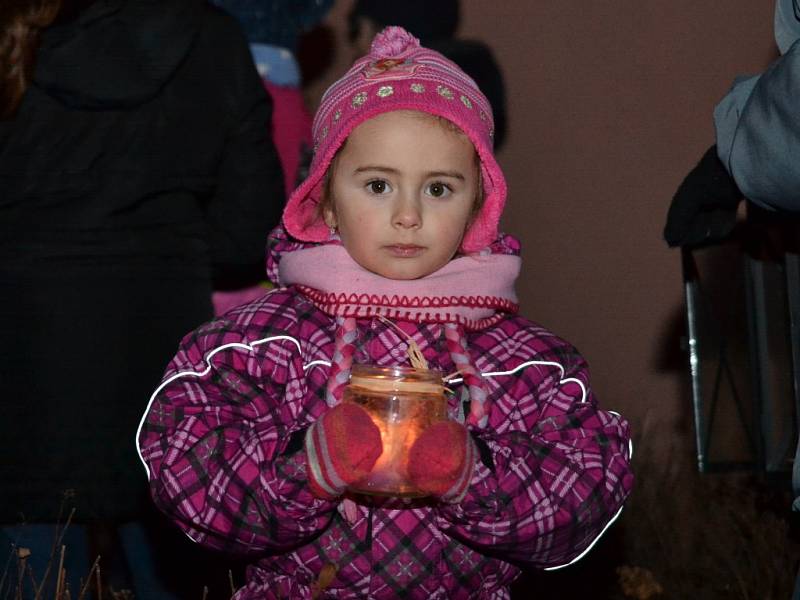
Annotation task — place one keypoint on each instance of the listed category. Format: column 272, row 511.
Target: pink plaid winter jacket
column 222, row 443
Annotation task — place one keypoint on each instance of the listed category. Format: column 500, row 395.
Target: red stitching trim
column 339, row 306
column 331, row 298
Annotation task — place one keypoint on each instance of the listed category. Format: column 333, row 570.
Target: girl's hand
column 341, row 448
column 441, row 461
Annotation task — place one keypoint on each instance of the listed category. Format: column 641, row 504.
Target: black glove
column 703, row 209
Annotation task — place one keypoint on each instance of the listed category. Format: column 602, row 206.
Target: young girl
column 392, row 238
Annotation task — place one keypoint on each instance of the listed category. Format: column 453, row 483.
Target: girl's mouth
column 405, row 250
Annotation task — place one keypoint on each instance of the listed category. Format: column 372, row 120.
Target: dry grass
column 707, row 536
column 18, row 580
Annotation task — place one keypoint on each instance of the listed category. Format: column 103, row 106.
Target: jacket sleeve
column 553, row 474
column 215, row 441
column 758, row 134
column 249, row 194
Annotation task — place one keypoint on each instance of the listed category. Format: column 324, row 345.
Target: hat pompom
column 393, row 42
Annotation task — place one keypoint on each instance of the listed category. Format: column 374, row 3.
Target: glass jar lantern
column 403, row 402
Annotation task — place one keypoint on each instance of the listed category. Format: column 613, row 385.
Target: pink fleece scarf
column 474, row 291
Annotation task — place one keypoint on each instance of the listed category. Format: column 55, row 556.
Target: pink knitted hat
column 399, row 74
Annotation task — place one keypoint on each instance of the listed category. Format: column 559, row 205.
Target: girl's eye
column 378, row 186
column 438, row 189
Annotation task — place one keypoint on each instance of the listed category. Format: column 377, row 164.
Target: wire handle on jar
column 414, row 353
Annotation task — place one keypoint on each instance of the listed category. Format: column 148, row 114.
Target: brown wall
column 609, row 107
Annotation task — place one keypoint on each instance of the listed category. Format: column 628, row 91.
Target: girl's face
column 402, row 192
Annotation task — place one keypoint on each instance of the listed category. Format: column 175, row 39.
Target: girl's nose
column 407, row 214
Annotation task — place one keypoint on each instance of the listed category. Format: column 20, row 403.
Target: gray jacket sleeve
column 758, row 134
column 758, row 124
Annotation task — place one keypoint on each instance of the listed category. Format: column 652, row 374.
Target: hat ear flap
column 301, row 217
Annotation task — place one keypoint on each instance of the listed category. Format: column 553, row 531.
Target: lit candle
column 401, row 407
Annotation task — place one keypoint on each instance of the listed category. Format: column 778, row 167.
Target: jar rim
column 397, row 373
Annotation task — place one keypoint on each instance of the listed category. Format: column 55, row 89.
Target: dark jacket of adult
column 137, row 170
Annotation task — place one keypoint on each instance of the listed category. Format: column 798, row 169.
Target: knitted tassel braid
column 478, row 396
column 342, row 363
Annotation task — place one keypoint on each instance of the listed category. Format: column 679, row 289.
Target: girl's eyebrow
column 451, row 174
column 378, row 168
column 391, row 171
